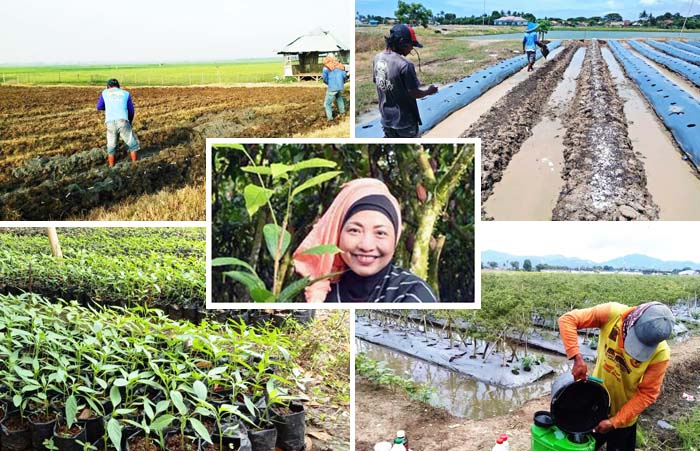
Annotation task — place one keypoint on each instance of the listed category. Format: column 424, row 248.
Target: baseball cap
column 405, row 33
column 654, row 325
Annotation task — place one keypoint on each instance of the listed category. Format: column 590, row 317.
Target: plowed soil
column 604, row 178
column 52, row 141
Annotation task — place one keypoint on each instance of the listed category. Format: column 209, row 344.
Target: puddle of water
column 672, row 182
column 461, row 395
column 679, row 80
column 532, row 181
column 462, row 119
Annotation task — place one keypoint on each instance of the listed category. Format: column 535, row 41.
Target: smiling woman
column 364, row 221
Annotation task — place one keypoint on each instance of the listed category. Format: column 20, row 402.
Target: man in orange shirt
column 632, row 359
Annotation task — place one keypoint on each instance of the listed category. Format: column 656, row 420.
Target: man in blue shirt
column 119, row 113
column 334, row 76
column 530, row 44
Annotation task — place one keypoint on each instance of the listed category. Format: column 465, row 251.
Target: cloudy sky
column 82, row 31
column 597, row 241
column 629, row 9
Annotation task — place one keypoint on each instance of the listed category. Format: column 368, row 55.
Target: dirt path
column 539, row 163
column 380, row 412
column 462, row 119
column 672, row 182
column 603, row 177
column 506, row 126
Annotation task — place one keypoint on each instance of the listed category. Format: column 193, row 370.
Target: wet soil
column 15, row 423
column 53, row 163
column 604, row 178
column 142, row 444
column 673, row 183
column 380, row 412
column 539, row 163
column 505, row 127
column 174, row 443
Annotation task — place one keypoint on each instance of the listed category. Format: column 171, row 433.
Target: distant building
column 688, row 272
column 303, row 57
column 510, row 20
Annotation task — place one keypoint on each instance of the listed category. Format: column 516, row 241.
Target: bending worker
column 119, row 114
column 632, row 360
column 530, row 44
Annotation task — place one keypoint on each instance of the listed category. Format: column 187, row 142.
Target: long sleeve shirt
column 633, row 386
column 335, row 79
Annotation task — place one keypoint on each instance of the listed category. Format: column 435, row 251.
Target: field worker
column 364, row 221
column 119, row 113
column 530, row 44
column 398, row 87
column 632, row 360
column 334, row 76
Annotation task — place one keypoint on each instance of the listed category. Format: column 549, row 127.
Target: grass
column 252, row 71
column 443, row 59
column 183, row 204
column 689, row 430
column 377, row 373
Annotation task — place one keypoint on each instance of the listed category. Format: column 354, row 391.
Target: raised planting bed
column 684, row 46
column 456, row 356
column 674, row 51
column 433, row 109
column 107, row 373
column 678, row 110
column 689, row 71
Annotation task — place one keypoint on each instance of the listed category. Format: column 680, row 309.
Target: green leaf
column 323, row 249
column 224, row 261
column 21, row 372
column 229, row 146
column 314, row 163
column 162, row 406
column 250, row 281
column 114, row 429
column 255, row 197
column 201, row 430
column 216, row 371
column 272, row 236
column 148, row 410
column 262, row 295
column 115, row 396
column 161, row 423
column 249, row 405
column 120, row 382
column 278, row 169
column 293, row 289
column 315, row 181
column 262, row 170
column 71, row 410
column 200, row 390
column 179, row 403
column 17, row 400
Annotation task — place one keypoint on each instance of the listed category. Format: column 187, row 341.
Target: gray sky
column 629, row 9
column 597, row 241
column 81, row 31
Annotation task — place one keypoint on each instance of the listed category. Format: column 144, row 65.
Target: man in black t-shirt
column 397, row 84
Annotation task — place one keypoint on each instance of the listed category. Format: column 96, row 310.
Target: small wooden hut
column 303, row 57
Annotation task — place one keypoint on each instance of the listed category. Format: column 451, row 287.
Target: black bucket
column 291, row 429
column 263, row 440
column 578, row 406
column 17, row 440
column 64, row 443
column 40, row 431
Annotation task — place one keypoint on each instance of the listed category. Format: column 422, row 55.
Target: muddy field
column 577, row 140
column 380, row 412
column 52, row 147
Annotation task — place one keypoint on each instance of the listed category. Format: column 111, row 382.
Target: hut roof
column 316, row 41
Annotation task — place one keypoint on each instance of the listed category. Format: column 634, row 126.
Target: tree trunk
column 53, row 241
column 434, row 207
column 433, row 277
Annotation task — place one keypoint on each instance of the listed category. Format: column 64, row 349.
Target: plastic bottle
column 501, row 443
column 401, row 439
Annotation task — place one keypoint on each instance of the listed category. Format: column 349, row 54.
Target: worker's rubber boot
column 110, row 160
column 134, row 157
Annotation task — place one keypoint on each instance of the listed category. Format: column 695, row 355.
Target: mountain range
column 631, row 261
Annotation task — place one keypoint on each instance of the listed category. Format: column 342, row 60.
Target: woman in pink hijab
column 364, row 221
